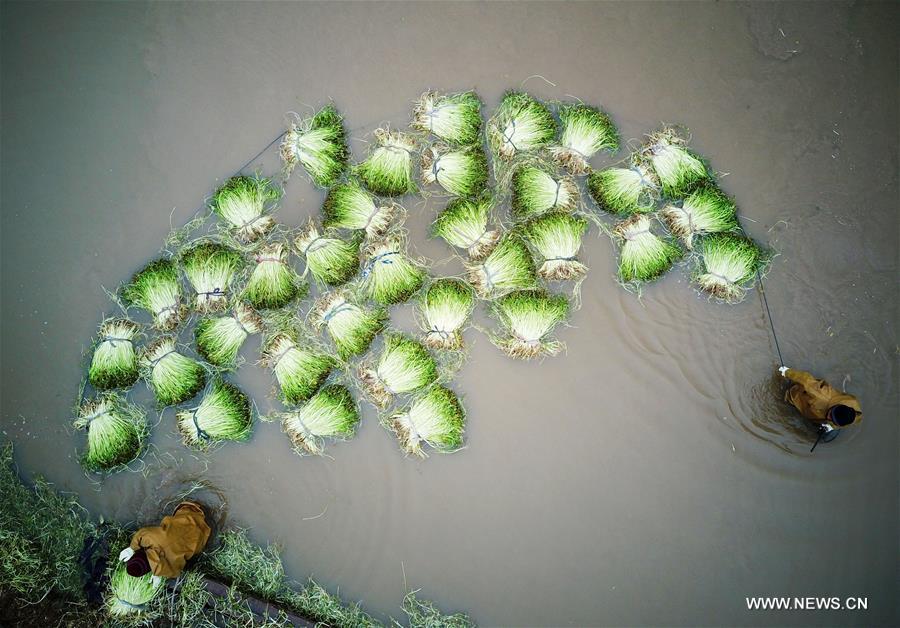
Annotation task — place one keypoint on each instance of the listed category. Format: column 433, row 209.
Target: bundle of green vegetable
column 464, row 224
column 351, row 327
column 389, row 275
column 454, row 118
column 331, row 260
column 319, row 144
column 443, row 311
column 299, row 370
column 461, row 172
column 528, row 318
column 116, row 431
column 156, row 289
column 114, row 363
column 521, row 124
column 705, row 210
column 210, row 268
column 388, row 170
column 625, row 191
column 727, row 266
column 330, row 413
column 244, row 203
column 535, row 191
column 643, row 255
column 677, row 167
column 509, row 267
column 223, row 414
column 129, row 597
column 435, row 418
column 220, row 339
column 348, row 206
column 403, row 367
column 273, row 282
column 173, row 377
column 585, row 131
column 557, row 238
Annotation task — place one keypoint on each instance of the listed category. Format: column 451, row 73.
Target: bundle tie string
column 440, row 332
column 237, row 319
column 114, row 339
column 570, row 258
column 556, row 198
column 488, row 277
column 631, row 236
column 435, row 169
column 508, row 138
column 246, row 224
column 378, row 258
column 170, row 308
column 216, row 292
column 156, row 361
column 281, row 355
column 644, row 180
column 260, row 260
column 137, row 607
column 343, row 307
column 321, row 238
column 371, row 218
column 201, row 433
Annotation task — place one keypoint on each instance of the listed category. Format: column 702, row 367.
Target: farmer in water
column 820, row 402
column 163, row 550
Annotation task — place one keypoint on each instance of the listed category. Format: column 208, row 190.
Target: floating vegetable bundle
column 624, row 191
column 705, row 210
column 348, row 206
column 557, row 237
column 528, row 317
column 535, row 191
column 114, row 363
column 351, row 327
column 585, row 131
column 330, row 413
column 244, row 203
column 223, row 414
column 678, row 168
column 444, row 309
column 462, row 172
column 128, row 596
column 273, row 282
column 520, row 125
column 300, row 371
column 727, row 266
column 319, row 144
column 211, row 267
column 220, row 339
column 173, row 377
column 157, row 290
column 509, row 267
column 404, row 366
column 455, row 118
column 388, row 168
column 389, row 275
column 436, row 418
column 116, row 431
column 643, row 256
column 464, row 224
column 331, row 260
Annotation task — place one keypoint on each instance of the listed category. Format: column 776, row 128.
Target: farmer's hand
column 156, row 580
column 783, row 370
column 126, row 554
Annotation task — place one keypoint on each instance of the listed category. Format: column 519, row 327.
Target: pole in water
column 762, row 291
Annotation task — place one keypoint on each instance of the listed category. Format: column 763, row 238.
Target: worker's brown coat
column 174, row 541
column 813, row 397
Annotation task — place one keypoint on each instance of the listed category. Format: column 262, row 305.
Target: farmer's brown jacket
column 174, row 541
column 813, row 397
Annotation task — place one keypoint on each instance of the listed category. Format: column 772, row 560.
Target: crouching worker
column 163, row 550
column 820, row 402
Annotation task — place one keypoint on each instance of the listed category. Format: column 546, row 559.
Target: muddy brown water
column 648, row 477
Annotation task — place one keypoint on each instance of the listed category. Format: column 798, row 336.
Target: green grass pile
column 643, row 256
column 585, row 131
column 443, row 311
column 172, row 376
column 521, row 124
column 352, row 328
column 156, row 289
column 557, row 238
column 210, row 268
column 509, row 267
column 319, row 144
column 224, row 413
column 245, row 203
column 219, row 339
column 403, row 366
column 273, row 282
column 462, row 172
column 116, row 431
column 435, row 418
column 114, row 361
column 389, row 275
column 464, row 224
column 388, row 170
column 348, row 206
column 129, row 596
column 727, row 266
column 678, row 168
column 300, row 370
column 536, row 191
column 330, row 413
column 424, row 614
column 331, row 260
column 624, row 191
column 705, row 210
column 527, row 319
column 454, row 118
